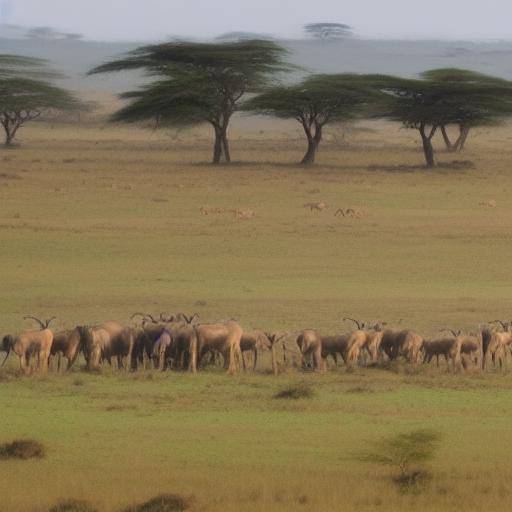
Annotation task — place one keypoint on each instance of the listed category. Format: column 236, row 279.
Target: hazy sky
column 153, row 19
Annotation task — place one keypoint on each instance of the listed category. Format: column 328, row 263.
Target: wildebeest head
column 86, row 339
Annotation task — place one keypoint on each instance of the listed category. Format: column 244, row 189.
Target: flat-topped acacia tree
column 427, row 105
column 328, row 31
column 316, row 102
column 26, row 93
column 494, row 109
column 197, row 83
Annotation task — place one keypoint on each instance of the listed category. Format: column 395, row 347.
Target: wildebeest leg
column 230, row 360
column 255, row 356
column 24, row 364
column 244, row 366
column 42, row 361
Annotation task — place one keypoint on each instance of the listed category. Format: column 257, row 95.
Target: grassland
column 98, row 222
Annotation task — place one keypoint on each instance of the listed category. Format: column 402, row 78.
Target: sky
column 156, row 19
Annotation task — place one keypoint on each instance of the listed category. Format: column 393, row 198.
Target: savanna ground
column 99, row 222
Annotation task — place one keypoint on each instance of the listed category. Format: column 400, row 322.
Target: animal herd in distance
column 179, row 342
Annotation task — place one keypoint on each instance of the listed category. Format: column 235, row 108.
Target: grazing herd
column 180, row 342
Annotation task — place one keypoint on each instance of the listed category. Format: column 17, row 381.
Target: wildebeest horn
column 167, row 319
column 142, row 315
column 48, row 322
column 188, row 319
column 43, row 325
column 455, row 333
column 359, row 324
column 502, row 323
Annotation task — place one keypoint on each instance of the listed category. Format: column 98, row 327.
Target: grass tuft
column 22, row 449
column 73, row 506
column 295, row 392
column 163, row 503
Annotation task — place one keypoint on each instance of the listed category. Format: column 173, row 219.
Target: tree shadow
column 455, row 165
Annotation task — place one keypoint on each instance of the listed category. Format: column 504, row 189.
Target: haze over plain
column 150, row 19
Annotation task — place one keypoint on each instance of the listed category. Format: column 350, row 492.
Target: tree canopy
column 317, row 101
column 25, row 93
column 197, row 82
column 441, row 98
column 495, row 108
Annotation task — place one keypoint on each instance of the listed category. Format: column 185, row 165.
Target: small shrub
column 163, row 503
column 406, row 453
column 22, row 449
column 295, row 392
column 412, row 480
column 73, row 506
column 359, row 389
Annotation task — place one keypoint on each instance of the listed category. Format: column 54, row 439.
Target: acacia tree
column 428, row 105
column 197, row 83
column 328, row 31
column 316, row 102
column 25, row 93
column 468, row 116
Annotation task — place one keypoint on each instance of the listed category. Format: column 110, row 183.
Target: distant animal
column 252, row 342
column 105, row 341
column 164, row 351
column 496, row 344
column 319, row 207
column 348, row 212
column 405, row 343
column 471, row 347
column 309, row 342
column 447, row 347
column 66, row 344
column 374, row 334
column 223, row 338
column 29, row 344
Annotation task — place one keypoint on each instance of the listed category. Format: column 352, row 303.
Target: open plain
column 98, row 222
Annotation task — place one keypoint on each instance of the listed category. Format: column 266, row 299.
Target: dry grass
column 102, row 222
column 73, row 506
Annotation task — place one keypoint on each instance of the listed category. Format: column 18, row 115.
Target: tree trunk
column 309, row 157
column 449, row 145
column 428, row 148
column 464, row 132
column 313, row 143
column 225, row 147
column 10, row 129
column 221, row 145
column 217, row 147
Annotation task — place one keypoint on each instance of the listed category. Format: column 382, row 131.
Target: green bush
column 406, row 453
column 296, row 392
